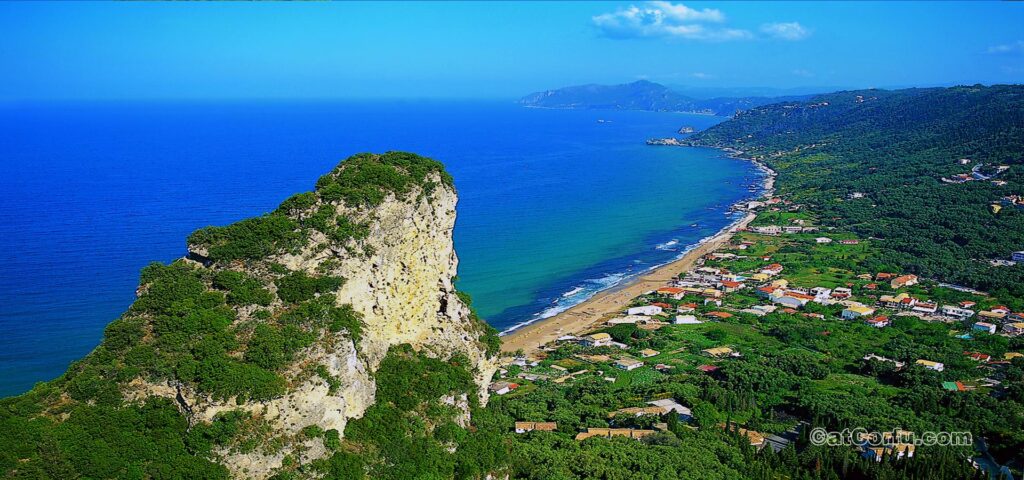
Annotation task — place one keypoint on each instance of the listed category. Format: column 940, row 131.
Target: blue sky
column 138, row 50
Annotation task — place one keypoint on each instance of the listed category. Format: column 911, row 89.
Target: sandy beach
column 610, row 303
column 607, row 304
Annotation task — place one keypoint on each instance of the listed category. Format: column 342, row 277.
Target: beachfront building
column 648, row 310
column 596, row 340
column 674, row 292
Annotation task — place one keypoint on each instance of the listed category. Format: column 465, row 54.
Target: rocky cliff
column 274, row 329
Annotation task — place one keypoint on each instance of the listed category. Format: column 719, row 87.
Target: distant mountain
column 643, row 95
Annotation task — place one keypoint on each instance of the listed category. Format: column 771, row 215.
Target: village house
column 842, row 292
column 596, row 340
column 1003, row 309
column 760, row 310
column 903, row 281
column 686, row 308
column 717, row 352
column 991, row 316
column 713, row 301
column 686, row 320
column 967, row 304
column 648, row 310
column 648, row 353
column 756, row 439
column 938, row 367
column 760, row 277
column 894, row 450
column 1017, row 256
column 978, row 356
column 719, row 315
column 903, row 301
column 1015, row 317
column 879, row 358
column 523, row 427
column 984, row 327
column 880, row 321
column 614, row 432
column 772, row 270
column 674, row 292
column 854, row 312
column 711, row 293
column 956, row 312
column 823, row 240
column 670, row 405
column 1014, row 329
column 628, row 364
column 925, row 307
column 788, row 301
column 729, row 287
column 501, row 388
column 821, row 294
column 849, row 242
column 767, row 229
column 792, row 229
column 708, row 368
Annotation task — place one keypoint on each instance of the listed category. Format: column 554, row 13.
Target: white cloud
column 785, row 31
column 800, row 72
column 1007, row 48
column 702, row 76
column 683, row 13
column 666, row 19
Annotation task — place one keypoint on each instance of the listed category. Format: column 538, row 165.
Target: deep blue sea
column 554, row 205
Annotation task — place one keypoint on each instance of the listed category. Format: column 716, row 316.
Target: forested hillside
column 874, row 161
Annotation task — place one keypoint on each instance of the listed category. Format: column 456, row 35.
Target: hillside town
column 707, row 317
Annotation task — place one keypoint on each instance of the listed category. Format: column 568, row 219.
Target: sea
column 555, row 205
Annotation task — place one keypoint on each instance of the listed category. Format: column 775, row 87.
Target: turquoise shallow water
column 551, row 201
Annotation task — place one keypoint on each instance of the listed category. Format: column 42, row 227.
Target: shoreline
column 611, row 301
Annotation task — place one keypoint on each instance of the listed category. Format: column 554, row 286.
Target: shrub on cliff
column 298, row 287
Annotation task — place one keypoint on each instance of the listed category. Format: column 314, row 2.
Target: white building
column 596, row 340
column 985, row 327
column 628, row 364
column 644, row 310
column 1017, row 256
column 930, row 365
column 856, row 311
column 823, row 240
column 686, row 320
column 956, row 312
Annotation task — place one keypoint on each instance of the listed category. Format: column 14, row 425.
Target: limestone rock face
column 399, row 278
